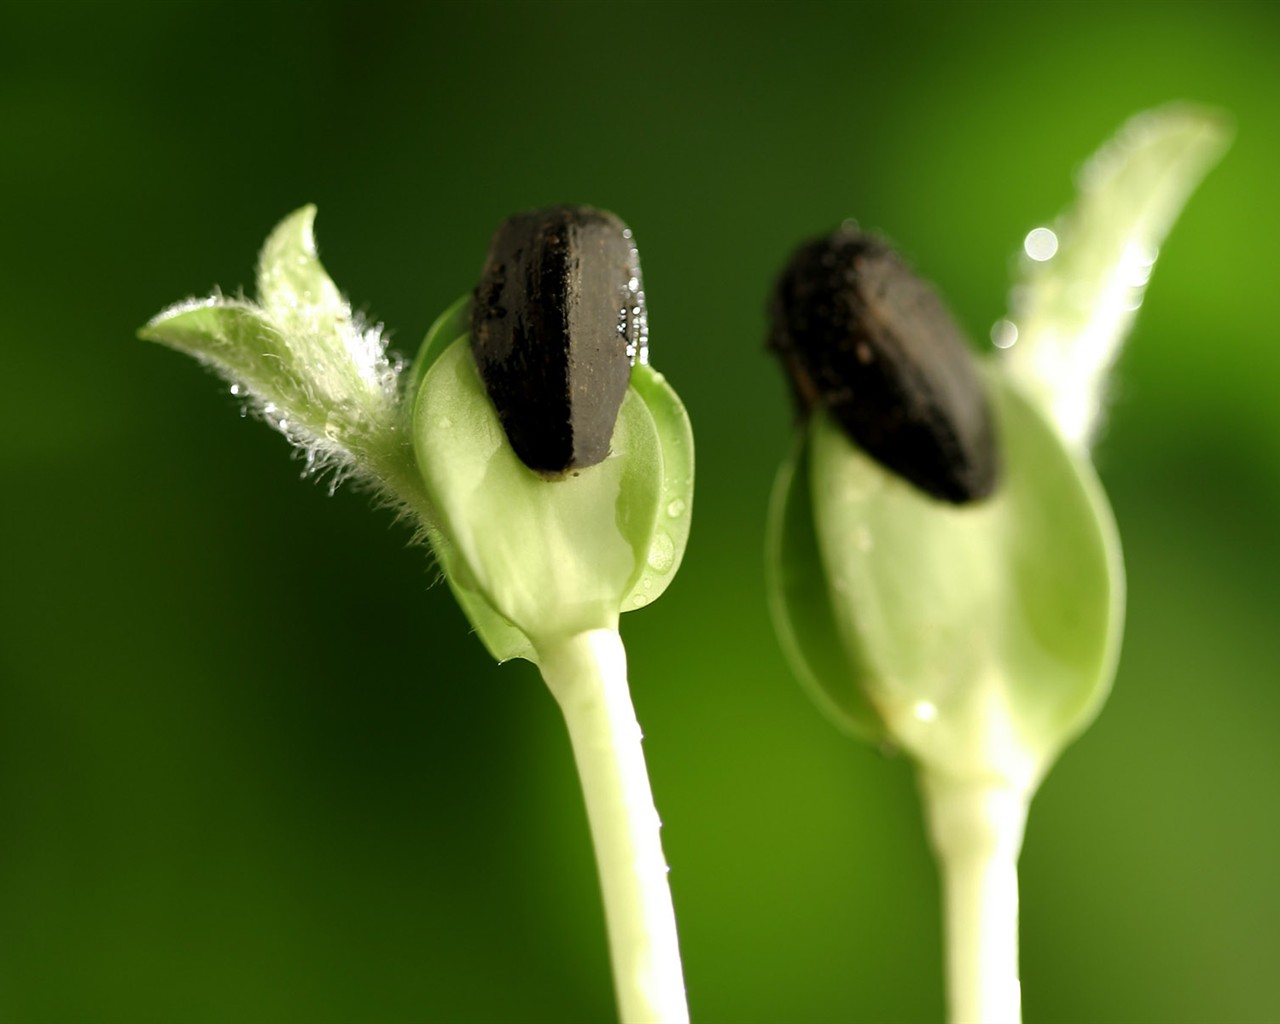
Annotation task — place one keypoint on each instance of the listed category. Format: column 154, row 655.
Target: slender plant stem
column 587, row 674
column 976, row 827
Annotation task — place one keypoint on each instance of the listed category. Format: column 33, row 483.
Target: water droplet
column 1040, row 244
column 236, row 389
column 1004, row 333
column 662, row 552
column 676, row 508
column 640, row 600
column 647, row 583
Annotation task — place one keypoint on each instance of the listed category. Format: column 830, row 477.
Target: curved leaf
column 800, row 602
column 675, row 500
column 293, row 286
column 554, row 557
column 301, row 359
column 447, row 328
column 501, row 639
column 989, row 632
column 1078, row 295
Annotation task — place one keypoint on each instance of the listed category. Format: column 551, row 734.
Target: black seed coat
column 866, row 339
column 557, row 320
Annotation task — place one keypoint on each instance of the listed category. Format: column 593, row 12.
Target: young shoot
column 549, row 467
column 944, row 571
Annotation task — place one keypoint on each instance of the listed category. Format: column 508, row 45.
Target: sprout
column 552, row 478
column 972, row 623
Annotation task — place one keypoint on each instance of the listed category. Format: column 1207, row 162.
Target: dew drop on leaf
column 662, row 552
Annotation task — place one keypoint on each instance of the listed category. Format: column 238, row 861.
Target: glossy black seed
column 866, row 339
column 557, row 321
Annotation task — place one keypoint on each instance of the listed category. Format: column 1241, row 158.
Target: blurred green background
column 252, row 765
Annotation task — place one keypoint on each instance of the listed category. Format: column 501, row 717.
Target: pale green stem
column 587, row 674
column 976, row 827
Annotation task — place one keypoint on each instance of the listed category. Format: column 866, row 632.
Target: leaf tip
column 154, row 329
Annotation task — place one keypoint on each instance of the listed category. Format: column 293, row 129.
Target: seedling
column 549, row 467
column 944, row 571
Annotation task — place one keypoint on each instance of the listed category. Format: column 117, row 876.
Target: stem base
column 976, row 828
